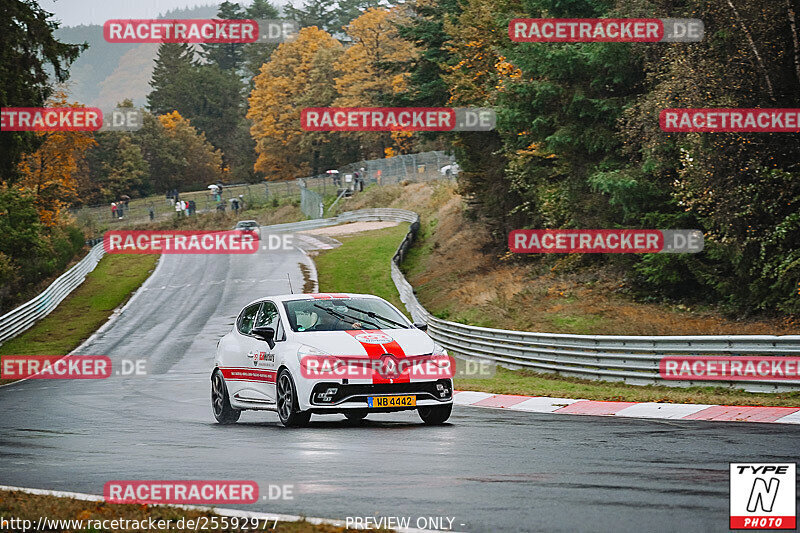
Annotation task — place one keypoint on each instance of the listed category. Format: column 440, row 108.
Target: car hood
column 364, row 342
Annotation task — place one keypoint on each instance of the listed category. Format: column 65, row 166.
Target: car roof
column 313, row 296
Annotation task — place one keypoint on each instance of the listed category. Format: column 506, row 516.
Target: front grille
column 426, row 390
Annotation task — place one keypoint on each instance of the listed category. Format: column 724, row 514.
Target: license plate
column 391, row 401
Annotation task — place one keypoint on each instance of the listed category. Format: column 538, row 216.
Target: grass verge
column 85, row 309
column 24, row 506
column 361, row 264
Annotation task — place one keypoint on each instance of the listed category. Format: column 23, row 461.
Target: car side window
column 248, row 318
column 269, row 317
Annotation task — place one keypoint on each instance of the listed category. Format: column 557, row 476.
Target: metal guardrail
column 631, row 359
column 18, row 320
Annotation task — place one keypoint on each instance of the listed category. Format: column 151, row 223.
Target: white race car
column 299, row 354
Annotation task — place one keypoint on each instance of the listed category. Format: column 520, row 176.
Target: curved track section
column 490, row 470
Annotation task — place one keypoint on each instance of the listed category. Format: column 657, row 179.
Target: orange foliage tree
column 365, row 83
column 49, row 173
column 199, row 161
column 299, row 74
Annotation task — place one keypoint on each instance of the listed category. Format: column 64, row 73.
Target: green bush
column 29, row 251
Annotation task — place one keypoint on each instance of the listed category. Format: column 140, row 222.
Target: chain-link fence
column 154, row 208
column 311, row 191
column 311, row 202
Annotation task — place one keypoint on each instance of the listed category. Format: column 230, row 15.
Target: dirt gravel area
column 351, row 228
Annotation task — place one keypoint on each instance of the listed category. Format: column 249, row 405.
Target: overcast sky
column 75, row 12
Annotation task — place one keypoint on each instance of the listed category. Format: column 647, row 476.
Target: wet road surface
column 490, row 470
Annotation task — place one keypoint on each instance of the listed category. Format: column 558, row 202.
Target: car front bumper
column 335, row 396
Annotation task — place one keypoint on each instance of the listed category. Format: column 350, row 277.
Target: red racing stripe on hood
column 370, row 340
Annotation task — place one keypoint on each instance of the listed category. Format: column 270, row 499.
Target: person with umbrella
column 215, row 191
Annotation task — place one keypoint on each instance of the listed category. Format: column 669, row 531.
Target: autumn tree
column 742, row 188
column 295, row 77
column 49, row 173
column 363, row 81
column 28, row 56
column 177, row 154
column 36, row 168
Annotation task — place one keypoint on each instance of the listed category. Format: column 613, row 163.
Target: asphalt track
column 490, row 470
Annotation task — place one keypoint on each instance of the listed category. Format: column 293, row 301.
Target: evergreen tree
column 319, row 13
column 227, row 56
column 171, row 80
column 256, row 54
column 28, row 49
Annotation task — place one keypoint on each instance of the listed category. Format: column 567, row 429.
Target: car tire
column 356, row 414
column 435, row 415
column 288, row 407
column 221, row 402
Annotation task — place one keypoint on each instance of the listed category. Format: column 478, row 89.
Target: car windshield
column 246, row 224
column 343, row 314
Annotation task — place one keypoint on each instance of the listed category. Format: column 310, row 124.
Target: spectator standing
column 113, row 210
column 152, row 213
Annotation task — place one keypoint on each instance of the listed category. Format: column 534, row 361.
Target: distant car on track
column 304, row 354
column 249, row 226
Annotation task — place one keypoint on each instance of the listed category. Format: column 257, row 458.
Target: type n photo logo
column 763, row 496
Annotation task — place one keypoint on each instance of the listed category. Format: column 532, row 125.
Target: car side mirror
column 265, row 333
column 421, row 325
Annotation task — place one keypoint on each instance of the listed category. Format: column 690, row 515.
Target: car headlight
column 305, row 351
column 317, row 364
column 442, row 359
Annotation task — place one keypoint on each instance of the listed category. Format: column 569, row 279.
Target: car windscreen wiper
column 376, row 315
column 342, row 316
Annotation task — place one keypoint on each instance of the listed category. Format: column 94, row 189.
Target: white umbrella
column 213, row 187
column 332, row 172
